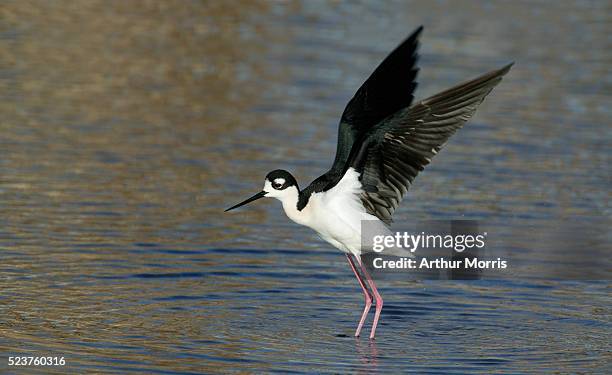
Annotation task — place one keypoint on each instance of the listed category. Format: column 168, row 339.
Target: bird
column 384, row 141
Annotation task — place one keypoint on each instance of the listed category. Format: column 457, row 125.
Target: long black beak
column 255, row 197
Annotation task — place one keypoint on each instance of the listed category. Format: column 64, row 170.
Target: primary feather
column 388, row 89
column 397, row 149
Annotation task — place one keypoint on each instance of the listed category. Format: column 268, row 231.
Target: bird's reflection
column 368, row 353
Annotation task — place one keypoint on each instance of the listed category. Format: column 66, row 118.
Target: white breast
column 336, row 214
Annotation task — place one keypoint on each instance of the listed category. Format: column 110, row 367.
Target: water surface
column 127, row 128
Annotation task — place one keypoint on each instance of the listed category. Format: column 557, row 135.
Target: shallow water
column 127, row 129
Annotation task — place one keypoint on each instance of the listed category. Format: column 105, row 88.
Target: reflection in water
column 128, row 127
column 368, row 354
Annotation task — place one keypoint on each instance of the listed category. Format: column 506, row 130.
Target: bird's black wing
column 393, row 153
column 389, row 89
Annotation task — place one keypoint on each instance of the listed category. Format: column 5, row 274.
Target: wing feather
column 387, row 90
column 392, row 154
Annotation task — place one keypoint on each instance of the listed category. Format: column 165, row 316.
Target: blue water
column 128, row 128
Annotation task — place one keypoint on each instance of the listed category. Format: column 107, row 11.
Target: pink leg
column 366, row 293
column 379, row 300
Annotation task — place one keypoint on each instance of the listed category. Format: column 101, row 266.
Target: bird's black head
column 280, row 180
column 279, row 184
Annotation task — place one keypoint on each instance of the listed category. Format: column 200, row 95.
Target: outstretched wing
column 386, row 91
column 399, row 148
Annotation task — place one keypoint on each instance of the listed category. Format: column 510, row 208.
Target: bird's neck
column 290, row 205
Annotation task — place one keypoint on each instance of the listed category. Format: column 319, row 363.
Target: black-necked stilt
column 383, row 143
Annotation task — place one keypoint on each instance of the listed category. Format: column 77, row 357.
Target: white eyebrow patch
column 280, row 181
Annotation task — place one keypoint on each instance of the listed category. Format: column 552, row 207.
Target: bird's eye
column 276, row 185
